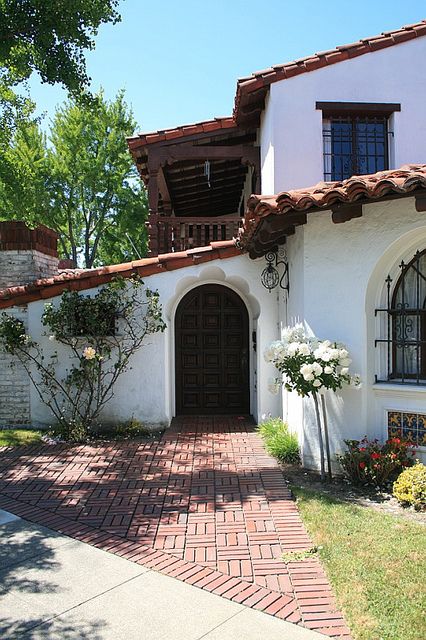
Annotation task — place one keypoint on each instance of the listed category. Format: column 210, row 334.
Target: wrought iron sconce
column 270, row 277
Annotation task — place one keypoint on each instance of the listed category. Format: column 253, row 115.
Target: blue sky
column 178, row 60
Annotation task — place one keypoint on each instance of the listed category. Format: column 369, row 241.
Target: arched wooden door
column 212, row 364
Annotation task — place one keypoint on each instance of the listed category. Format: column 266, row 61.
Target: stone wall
column 14, row 384
column 25, row 255
column 23, row 266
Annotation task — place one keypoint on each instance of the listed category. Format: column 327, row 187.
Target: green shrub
column 371, row 462
column 279, row 441
column 132, row 428
column 410, row 486
column 72, row 431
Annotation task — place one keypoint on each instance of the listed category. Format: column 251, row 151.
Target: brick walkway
column 206, row 505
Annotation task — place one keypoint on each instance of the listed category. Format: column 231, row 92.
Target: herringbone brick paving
column 205, row 504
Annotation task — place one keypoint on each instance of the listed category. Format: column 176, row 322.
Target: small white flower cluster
column 310, row 365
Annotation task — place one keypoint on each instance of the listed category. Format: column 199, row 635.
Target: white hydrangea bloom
column 292, row 348
column 317, row 368
column 345, row 362
column 304, row 349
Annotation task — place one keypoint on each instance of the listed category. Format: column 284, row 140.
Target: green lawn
column 376, row 564
column 17, row 437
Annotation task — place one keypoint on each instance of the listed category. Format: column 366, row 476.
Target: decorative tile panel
column 407, row 425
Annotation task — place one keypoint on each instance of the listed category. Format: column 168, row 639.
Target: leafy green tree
column 48, row 37
column 24, row 176
column 81, row 182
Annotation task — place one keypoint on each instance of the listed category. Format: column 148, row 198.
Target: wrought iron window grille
column 355, row 145
column 402, row 349
column 270, row 276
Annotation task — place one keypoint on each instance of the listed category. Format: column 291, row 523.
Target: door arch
column 211, row 352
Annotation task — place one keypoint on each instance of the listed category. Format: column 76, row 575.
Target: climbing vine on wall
column 98, row 336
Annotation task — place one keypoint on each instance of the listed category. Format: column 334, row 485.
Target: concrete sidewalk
column 54, row 587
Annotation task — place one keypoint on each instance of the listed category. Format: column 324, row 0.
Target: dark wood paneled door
column 212, row 365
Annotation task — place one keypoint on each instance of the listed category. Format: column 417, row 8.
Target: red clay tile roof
column 81, row 279
column 142, row 139
column 263, row 79
column 325, row 195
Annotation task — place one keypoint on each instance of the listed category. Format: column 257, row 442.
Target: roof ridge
column 263, row 78
column 180, row 131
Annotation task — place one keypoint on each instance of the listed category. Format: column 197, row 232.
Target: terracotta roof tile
column 264, row 78
column 81, row 279
column 143, row 139
column 325, row 195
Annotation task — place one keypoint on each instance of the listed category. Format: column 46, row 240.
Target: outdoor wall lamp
column 270, row 277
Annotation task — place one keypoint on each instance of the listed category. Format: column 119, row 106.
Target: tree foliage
column 80, row 180
column 49, row 38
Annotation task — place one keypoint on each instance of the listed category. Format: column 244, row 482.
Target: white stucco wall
column 146, row 392
column 337, row 274
column 291, row 127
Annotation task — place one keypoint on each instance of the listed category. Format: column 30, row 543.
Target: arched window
column 406, row 323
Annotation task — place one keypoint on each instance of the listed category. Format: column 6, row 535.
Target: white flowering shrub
column 309, row 365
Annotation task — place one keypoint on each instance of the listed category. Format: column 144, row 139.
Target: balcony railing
column 168, row 234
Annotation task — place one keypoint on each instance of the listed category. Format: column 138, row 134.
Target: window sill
column 394, row 388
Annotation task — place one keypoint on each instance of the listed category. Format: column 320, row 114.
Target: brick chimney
column 26, row 254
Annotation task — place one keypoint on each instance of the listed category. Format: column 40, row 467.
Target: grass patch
column 18, row 437
column 279, row 441
column 375, row 562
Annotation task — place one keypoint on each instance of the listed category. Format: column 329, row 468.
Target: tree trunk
column 326, row 438
column 321, row 444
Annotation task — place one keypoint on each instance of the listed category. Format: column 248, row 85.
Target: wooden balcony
column 169, row 234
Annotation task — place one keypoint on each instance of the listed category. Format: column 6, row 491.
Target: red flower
column 362, row 465
column 396, row 440
column 393, row 456
column 376, row 466
column 362, row 449
column 375, row 456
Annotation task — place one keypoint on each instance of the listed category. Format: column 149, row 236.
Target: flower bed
column 370, row 462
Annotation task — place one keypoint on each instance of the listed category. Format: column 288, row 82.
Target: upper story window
column 405, row 319
column 355, row 138
column 354, row 146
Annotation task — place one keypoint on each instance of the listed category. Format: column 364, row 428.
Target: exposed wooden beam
column 258, row 248
column 200, row 183
column 194, row 176
column 188, row 151
column 222, row 209
column 277, row 222
column 264, row 236
column 221, row 193
column 420, row 202
column 184, row 166
column 343, row 213
column 370, row 108
column 164, row 190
